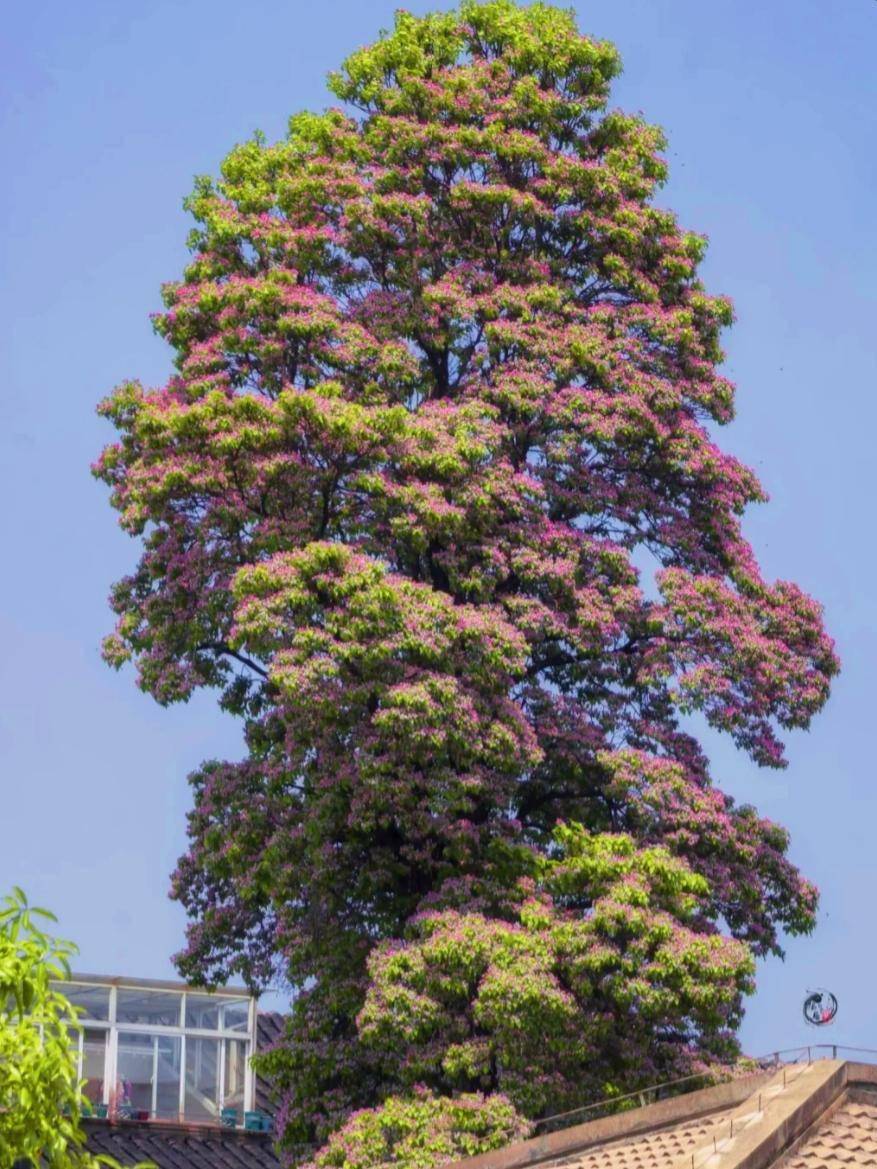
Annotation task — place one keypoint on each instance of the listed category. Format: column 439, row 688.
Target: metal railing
column 612, row 1105
column 805, row 1053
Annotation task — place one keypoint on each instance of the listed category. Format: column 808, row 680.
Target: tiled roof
column 269, row 1028
column 652, row 1151
column 847, row 1137
column 820, row 1115
column 180, row 1147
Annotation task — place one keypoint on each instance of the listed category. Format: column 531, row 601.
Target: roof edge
column 689, row 1106
column 860, row 1073
column 129, row 981
column 775, row 1123
column 91, row 1124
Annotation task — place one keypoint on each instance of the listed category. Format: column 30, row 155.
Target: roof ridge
column 765, row 1124
column 622, row 1127
column 746, row 1123
column 753, row 1110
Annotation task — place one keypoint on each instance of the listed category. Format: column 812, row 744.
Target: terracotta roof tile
column 847, row 1137
column 653, row 1150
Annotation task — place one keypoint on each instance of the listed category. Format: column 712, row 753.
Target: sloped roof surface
column 848, row 1137
column 269, row 1028
column 819, row 1115
column 177, row 1147
column 652, row 1151
column 687, row 1143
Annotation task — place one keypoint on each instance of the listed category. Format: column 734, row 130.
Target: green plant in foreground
column 41, row 1097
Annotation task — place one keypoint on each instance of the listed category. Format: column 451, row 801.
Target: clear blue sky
column 107, row 110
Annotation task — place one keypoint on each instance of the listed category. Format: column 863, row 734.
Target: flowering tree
column 422, row 1130
column 433, row 502
column 607, row 982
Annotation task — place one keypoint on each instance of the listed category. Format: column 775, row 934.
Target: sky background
column 107, row 110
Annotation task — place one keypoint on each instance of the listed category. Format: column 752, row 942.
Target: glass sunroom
column 162, row 1051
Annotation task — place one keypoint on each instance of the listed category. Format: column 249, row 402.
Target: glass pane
column 74, row 1037
column 235, row 1015
column 235, row 1073
column 157, row 1008
column 168, row 1068
column 134, row 1072
column 202, row 1078
column 94, row 1053
column 202, row 1011
column 149, row 1074
column 95, row 1000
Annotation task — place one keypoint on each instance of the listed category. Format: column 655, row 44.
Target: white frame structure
column 111, row 1027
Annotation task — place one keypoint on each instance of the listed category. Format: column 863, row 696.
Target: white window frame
column 113, row 1026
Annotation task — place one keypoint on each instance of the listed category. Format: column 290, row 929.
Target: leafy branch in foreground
column 41, row 1098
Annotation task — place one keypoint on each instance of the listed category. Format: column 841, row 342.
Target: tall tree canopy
column 433, row 501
